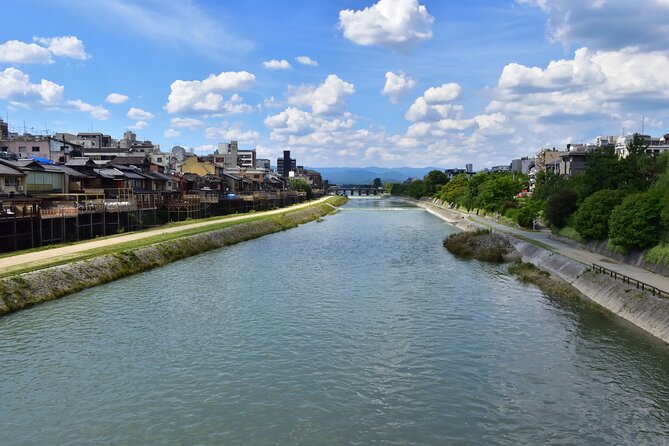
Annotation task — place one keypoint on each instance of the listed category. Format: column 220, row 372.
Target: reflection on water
column 361, row 329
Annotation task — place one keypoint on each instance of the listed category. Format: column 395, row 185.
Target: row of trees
column 624, row 200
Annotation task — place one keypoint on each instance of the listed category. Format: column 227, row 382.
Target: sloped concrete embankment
column 24, row 290
column 648, row 312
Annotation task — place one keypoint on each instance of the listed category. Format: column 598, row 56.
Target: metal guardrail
column 630, row 281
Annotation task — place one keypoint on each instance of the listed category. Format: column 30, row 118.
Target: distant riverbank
column 641, row 308
column 26, row 289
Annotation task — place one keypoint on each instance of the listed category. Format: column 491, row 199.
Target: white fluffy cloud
column 14, row 51
column 116, row 98
column 325, row 99
column 607, row 24
column 65, row 46
column 171, row 133
column 15, row 86
column 275, row 64
column 306, row 60
column 139, row 125
column 433, row 105
column 398, row 24
column 397, row 86
column 96, row 111
column 139, row 114
column 205, row 96
column 188, row 123
column 234, row 132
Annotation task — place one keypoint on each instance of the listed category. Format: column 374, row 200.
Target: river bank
column 26, row 289
column 641, row 308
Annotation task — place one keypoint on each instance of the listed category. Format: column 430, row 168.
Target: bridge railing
column 630, row 281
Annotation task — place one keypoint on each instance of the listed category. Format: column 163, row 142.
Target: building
column 39, row 146
column 263, row 163
column 546, row 157
column 246, row 159
column 653, row 146
column 12, row 180
column 4, row 130
column 522, row 165
column 286, row 164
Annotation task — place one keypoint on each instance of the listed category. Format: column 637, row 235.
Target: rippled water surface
column 358, row 330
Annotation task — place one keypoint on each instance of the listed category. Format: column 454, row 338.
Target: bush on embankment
column 529, row 273
column 21, row 291
column 479, row 245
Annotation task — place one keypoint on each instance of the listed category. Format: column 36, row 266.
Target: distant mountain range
column 366, row 175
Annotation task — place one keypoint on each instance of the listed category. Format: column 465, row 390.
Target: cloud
column 139, row 114
column 397, row 24
column 97, row 111
column 306, row 60
column 433, row 105
column 186, row 24
column 14, row 51
column 325, row 99
column 607, row 25
column 139, row 125
column 188, row 123
column 15, row 86
column 271, row 102
column 397, row 86
column 234, row 132
column 444, row 93
column 171, row 133
column 65, row 46
column 116, row 98
column 275, row 64
column 204, row 96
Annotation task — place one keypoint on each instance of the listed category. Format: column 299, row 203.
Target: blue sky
column 385, row 83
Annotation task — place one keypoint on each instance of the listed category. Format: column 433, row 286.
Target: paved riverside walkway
column 46, row 254
column 581, row 255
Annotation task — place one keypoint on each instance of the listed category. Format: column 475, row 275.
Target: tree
column 636, row 222
column 433, row 180
column 547, row 183
column 415, row 189
column 560, row 206
column 377, row 183
column 591, row 220
column 454, row 190
column 498, row 189
column 529, row 211
column 301, row 185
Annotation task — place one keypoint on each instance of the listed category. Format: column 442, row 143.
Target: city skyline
column 352, row 83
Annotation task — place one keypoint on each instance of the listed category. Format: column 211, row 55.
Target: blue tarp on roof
column 41, row 160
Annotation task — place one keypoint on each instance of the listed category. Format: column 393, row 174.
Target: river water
column 357, row 330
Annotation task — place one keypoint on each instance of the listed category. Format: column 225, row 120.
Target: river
column 357, row 330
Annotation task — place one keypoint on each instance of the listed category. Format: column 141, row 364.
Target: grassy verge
column 570, row 233
column 528, row 273
column 658, row 255
column 121, row 247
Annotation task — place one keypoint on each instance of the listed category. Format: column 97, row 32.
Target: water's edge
column 641, row 308
column 28, row 289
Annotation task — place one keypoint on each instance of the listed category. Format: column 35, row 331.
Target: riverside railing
column 630, row 281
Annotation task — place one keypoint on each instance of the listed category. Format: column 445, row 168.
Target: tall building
column 286, row 164
column 263, row 163
column 4, row 130
column 246, row 159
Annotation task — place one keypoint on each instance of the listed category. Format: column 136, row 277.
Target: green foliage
column 377, row 182
column 453, row 192
column 529, row 273
column 560, row 206
column 302, row 186
column 570, row 232
column 592, row 218
column 548, row 183
column 497, row 189
column 415, row 189
column 480, row 245
column 529, row 211
column 636, row 222
column 658, row 254
column 433, row 181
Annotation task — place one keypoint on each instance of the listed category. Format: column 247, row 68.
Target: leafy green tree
column 591, row 219
column 301, row 185
column 560, row 206
column 377, row 182
column 547, row 183
column 415, row 189
column 396, row 189
column 636, row 222
column 530, row 210
column 453, row 191
column 498, row 189
column 433, row 180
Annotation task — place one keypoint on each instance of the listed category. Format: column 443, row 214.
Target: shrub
column 592, row 218
column 560, row 206
column 636, row 222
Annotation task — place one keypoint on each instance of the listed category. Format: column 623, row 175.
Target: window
column 10, row 181
column 159, row 160
column 35, row 148
column 22, row 149
column 4, row 149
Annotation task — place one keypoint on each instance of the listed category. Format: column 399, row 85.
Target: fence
column 630, row 281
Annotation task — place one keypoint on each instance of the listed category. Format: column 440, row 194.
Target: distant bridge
column 356, row 190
